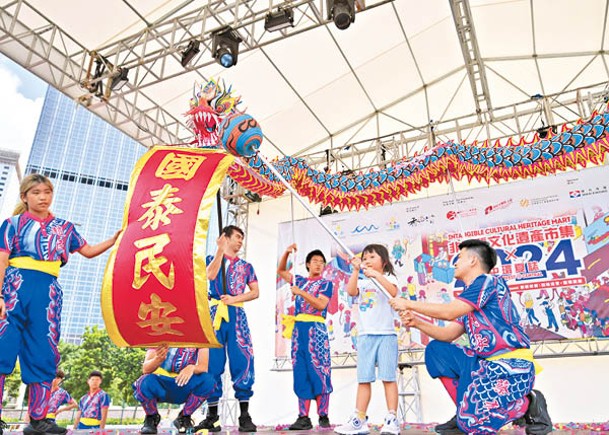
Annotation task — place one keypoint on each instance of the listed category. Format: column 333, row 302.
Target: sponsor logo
column 365, row 229
column 452, row 214
column 392, row 224
column 417, row 220
column 524, row 203
column 494, row 207
column 581, row 193
column 459, row 201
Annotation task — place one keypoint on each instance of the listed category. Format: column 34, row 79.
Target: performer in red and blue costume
column 310, row 344
column 173, row 375
column 93, row 406
column 230, row 323
column 59, row 397
column 34, row 244
column 491, row 382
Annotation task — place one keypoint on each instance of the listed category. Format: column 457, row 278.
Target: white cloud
column 18, row 116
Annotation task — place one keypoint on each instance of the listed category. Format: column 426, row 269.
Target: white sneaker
column 355, row 426
column 391, row 426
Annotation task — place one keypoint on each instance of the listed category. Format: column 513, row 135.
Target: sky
column 21, row 98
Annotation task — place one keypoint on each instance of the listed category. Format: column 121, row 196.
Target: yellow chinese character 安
column 155, row 316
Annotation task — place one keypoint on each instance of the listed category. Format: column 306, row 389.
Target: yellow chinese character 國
column 179, row 166
column 149, row 250
column 155, row 316
column 161, row 206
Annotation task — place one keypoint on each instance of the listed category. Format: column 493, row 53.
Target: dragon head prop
column 209, row 106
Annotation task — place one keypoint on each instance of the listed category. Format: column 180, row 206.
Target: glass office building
column 89, row 162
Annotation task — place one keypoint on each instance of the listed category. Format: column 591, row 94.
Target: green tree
column 119, row 366
column 12, row 383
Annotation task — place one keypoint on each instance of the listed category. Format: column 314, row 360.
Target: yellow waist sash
column 50, row 267
column 161, row 371
column 526, row 354
column 289, row 322
column 90, row 421
column 51, row 415
column 222, row 311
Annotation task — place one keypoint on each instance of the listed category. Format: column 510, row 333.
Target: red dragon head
column 209, row 106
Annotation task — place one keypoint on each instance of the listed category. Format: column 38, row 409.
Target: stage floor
column 408, row 430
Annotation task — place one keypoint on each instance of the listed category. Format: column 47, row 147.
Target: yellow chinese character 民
column 155, row 316
column 161, row 206
column 149, row 250
column 179, row 166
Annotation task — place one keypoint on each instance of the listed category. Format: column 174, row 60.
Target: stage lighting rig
column 225, row 46
column 119, row 78
column 342, row 12
column 279, row 19
column 192, row 49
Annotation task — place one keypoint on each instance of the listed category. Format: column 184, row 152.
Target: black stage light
column 252, row 196
column 279, row 19
column 192, row 49
column 342, row 12
column 119, row 79
column 225, row 46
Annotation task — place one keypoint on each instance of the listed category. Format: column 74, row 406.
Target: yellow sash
column 289, row 322
column 162, row 372
column 50, row 267
column 526, row 354
column 222, row 311
column 51, row 415
column 90, row 421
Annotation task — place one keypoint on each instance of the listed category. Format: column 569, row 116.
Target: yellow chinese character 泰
column 179, row 166
column 149, row 250
column 161, row 206
column 159, row 321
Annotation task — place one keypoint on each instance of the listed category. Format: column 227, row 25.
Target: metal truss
column 409, row 394
column 541, row 349
column 151, row 56
column 238, row 202
column 521, row 119
column 476, row 73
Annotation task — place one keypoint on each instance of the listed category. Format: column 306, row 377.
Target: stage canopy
column 409, row 71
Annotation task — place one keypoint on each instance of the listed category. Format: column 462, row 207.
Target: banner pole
column 314, row 214
column 220, row 227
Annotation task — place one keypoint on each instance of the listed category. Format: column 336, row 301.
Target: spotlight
column 323, row 211
column 342, row 12
column 252, row 196
column 280, row 19
column 191, row 51
column 119, row 79
column 225, row 46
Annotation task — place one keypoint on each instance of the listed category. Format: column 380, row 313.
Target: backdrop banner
column 551, row 235
column 155, row 285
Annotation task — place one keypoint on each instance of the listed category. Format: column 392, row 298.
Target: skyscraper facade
column 89, row 162
column 9, row 182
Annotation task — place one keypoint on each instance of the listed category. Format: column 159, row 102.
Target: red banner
column 155, row 285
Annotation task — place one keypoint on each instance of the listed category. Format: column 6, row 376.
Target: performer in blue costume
column 34, row 244
column 232, row 330
column 173, row 375
column 491, row 382
column 59, row 397
column 93, row 406
column 310, row 343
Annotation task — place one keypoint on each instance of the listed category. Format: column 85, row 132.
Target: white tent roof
column 398, row 66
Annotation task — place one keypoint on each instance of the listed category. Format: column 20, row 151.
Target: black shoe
column 3, row 426
column 211, row 423
column 43, row 426
column 324, row 421
column 303, row 422
column 449, row 428
column 183, row 423
column 537, row 418
column 150, row 424
column 246, row 424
